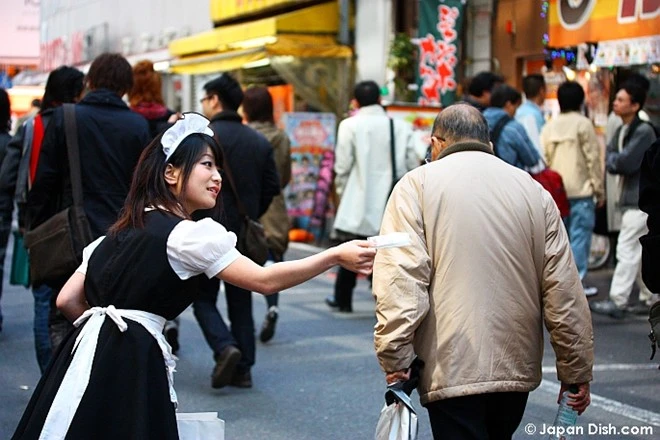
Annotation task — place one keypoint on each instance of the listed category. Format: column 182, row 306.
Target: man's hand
column 579, row 401
column 397, row 376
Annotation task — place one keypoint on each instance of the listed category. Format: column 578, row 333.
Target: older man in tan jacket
column 489, row 263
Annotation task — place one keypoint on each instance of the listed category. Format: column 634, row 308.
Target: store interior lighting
column 570, row 73
column 161, row 66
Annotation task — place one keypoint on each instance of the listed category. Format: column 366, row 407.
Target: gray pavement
column 319, row 378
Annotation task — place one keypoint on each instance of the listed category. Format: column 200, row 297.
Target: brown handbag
column 56, row 245
column 252, row 237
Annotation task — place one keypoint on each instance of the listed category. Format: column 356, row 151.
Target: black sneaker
column 268, row 326
column 225, row 366
column 608, row 308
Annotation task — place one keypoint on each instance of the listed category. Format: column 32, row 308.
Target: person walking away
column 146, row 97
column 113, row 376
column 509, row 138
column 480, row 89
column 5, row 222
column 111, row 138
column 530, row 112
column 625, row 154
column 258, row 111
column 572, row 149
column 250, row 158
column 64, row 85
column 487, row 266
column 363, row 175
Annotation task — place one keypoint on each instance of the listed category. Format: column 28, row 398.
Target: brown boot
column 225, row 366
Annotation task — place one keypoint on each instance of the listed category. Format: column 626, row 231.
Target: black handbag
column 55, row 246
column 252, row 237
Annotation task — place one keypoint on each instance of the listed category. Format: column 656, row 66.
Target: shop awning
column 308, row 32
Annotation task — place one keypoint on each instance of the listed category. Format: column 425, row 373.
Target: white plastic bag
column 396, row 422
column 200, row 426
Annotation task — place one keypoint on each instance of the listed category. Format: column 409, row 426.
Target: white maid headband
column 189, row 123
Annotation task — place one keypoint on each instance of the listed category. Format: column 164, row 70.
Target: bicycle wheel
column 599, row 254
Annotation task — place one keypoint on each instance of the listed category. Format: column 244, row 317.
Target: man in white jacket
column 364, row 177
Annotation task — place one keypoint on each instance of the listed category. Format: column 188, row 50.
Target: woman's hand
column 357, row 256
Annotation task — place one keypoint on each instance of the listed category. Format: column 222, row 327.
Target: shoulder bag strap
column 71, row 134
column 497, row 131
column 393, row 153
column 227, row 169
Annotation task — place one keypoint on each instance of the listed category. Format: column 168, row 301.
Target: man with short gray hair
column 489, row 262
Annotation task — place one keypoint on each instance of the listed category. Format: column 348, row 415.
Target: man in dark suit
column 111, row 138
column 250, row 158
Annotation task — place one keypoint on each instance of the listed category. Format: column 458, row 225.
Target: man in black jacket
column 649, row 202
column 250, row 158
column 111, row 138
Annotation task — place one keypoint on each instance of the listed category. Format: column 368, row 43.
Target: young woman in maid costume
column 113, row 376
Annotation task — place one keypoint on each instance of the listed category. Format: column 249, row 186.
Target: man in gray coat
column 625, row 154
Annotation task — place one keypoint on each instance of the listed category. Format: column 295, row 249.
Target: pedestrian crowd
column 499, row 223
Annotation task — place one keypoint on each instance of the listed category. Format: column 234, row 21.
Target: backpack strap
column 497, row 131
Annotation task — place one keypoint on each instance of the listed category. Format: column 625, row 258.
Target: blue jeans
column 580, row 224
column 42, row 343
column 216, row 333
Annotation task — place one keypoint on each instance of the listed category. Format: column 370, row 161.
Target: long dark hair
column 64, row 85
column 149, row 188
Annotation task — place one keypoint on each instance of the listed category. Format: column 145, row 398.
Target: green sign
column 440, row 23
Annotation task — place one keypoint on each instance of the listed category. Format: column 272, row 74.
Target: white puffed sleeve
column 204, row 246
column 87, row 253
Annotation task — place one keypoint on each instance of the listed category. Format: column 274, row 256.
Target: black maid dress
column 128, row 393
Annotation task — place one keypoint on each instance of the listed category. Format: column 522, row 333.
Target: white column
column 373, row 28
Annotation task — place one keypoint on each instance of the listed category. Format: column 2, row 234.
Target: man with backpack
column 508, row 136
column 625, row 154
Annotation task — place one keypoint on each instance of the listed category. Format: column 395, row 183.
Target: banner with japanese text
column 440, row 24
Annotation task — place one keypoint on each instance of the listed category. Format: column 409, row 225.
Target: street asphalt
column 319, row 379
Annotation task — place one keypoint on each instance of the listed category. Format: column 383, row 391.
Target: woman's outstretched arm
column 355, row 255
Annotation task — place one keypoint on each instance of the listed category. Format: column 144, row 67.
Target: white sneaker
column 590, row 290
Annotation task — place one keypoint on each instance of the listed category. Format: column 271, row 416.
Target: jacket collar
column 375, row 109
column 227, row 115
column 103, row 97
column 465, row 146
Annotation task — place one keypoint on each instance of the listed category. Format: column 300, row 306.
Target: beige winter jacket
column 572, row 149
column 276, row 219
column 489, row 263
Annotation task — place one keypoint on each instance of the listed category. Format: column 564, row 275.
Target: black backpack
column 496, row 131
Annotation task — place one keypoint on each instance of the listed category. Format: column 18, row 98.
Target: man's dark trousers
column 239, row 309
column 477, row 417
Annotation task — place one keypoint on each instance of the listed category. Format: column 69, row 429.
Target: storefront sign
column 628, row 52
column 19, row 31
column 578, row 21
column 312, row 138
column 74, row 49
column 226, row 10
column 440, row 23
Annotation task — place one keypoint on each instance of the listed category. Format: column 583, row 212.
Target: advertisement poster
column 440, row 24
column 421, row 119
column 312, row 158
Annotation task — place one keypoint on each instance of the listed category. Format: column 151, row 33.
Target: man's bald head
column 461, row 123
